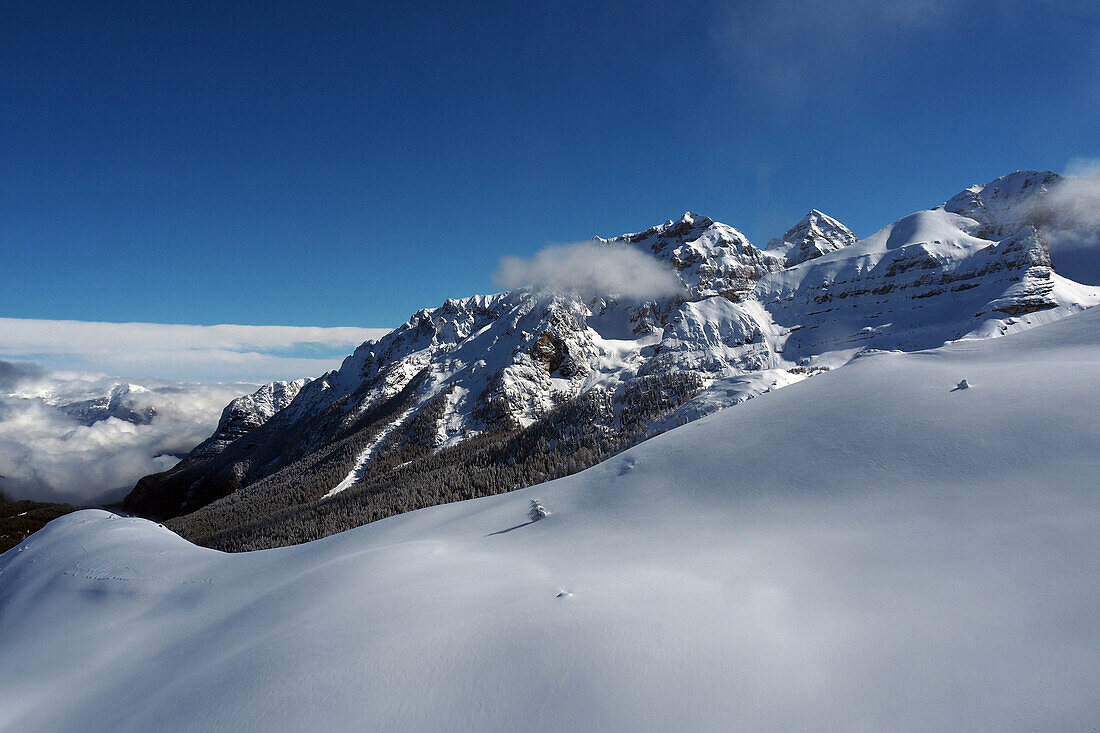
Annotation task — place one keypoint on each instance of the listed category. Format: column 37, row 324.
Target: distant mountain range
column 491, row 393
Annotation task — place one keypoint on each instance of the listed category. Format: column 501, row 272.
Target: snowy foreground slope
column 866, row 550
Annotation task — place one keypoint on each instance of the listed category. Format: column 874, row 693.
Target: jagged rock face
column 1008, row 204
column 815, row 235
column 182, row 487
column 711, row 258
column 921, row 281
column 1026, row 254
column 246, row 413
column 492, row 364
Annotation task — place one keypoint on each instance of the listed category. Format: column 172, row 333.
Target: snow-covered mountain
column 874, row 548
column 118, row 402
column 1011, row 203
column 815, row 235
column 573, row 378
column 239, row 418
column 85, row 399
column 246, row 413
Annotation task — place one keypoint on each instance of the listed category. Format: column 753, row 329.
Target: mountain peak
column 689, row 223
column 695, row 219
column 1006, row 204
column 709, row 257
column 687, row 227
column 814, row 235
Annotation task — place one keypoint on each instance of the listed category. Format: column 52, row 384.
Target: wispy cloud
column 1076, row 199
column 1083, row 167
column 781, row 51
column 786, row 52
column 1075, row 205
column 590, row 268
column 181, row 352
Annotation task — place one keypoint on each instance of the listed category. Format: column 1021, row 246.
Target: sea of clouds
column 189, row 374
column 48, row 455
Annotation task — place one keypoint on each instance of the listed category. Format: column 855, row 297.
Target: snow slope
column 870, row 549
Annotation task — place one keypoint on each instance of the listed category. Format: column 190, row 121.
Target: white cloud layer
column 47, row 455
column 590, row 268
column 182, row 352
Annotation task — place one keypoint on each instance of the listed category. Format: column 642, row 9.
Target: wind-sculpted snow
column 869, row 549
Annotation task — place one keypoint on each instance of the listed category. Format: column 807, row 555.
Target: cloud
column 1074, row 207
column 590, row 268
column 12, row 374
column 1083, row 168
column 47, row 455
column 1076, row 198
column 182, row 352
column 783, row 51
column 189, row 372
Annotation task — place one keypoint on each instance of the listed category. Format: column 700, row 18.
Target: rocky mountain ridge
column 248, row 412
column 241, row 416
column 575, row 376
column 118, row 403
column 815, row 235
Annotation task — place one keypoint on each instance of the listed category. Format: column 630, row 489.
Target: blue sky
column 330, row 164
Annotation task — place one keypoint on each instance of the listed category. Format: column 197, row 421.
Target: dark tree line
column 407, row 472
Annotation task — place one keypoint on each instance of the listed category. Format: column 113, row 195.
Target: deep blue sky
column 329, row 164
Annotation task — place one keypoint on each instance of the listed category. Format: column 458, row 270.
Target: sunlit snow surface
column 869, row 549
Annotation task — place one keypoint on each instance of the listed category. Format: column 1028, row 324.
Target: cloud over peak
column 590, row 268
